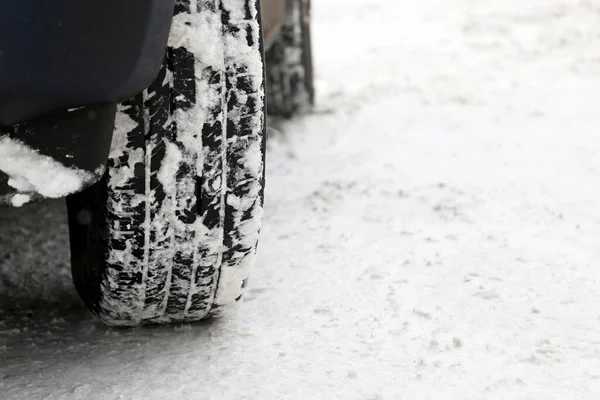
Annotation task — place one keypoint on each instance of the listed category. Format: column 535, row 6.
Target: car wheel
column 289, row 69
column 170, row 233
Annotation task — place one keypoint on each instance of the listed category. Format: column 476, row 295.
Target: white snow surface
column 431, row 231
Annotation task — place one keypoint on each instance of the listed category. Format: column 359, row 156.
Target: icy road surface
column 432, row 231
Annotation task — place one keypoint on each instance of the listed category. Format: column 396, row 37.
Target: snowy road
column 432, row 231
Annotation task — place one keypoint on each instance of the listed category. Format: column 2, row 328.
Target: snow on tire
column 170, row 233
column 289, row 70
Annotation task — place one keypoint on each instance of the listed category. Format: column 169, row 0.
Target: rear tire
column 170, row 233
column 289, row 66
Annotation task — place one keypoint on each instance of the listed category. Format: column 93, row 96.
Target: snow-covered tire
column 289, row 68
column 170, row 233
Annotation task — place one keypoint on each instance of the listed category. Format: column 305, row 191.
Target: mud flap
column 56, row 155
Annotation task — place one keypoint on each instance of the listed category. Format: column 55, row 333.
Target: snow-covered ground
column 432, row 231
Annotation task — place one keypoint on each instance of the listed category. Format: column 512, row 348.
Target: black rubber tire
column 289, row 65
column 170, row 233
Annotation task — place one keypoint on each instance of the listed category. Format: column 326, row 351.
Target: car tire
column 289, row 65
column 170, row 232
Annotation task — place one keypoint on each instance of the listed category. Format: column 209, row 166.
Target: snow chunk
column 19, row 200
column 170, row 165
column 30, row 171
column 123, row 125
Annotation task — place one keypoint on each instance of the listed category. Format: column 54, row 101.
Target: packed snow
column 31, row 172
column 431, row 230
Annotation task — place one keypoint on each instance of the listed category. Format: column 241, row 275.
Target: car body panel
column 61, row 54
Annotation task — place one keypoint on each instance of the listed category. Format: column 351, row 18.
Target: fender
column 61, row 54
column 64, row 64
